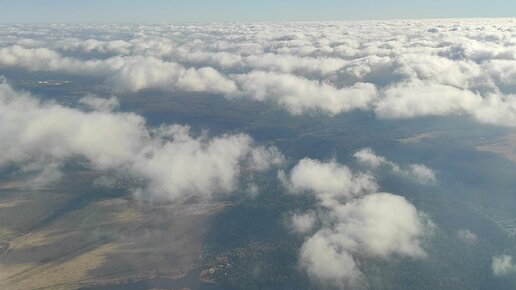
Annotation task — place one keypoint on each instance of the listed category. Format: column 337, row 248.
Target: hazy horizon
column 157, row 11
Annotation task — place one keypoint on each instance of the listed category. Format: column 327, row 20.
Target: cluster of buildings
column 128, row 183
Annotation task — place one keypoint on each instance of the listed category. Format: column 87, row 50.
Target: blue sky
column 36, row 11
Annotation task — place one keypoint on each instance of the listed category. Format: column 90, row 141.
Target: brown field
column 505, row 147
column 107, row 240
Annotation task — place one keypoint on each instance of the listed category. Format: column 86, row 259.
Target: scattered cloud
column 503, row 265
column 467, row 237
column 303, row 223
column 355, row 220
column 176, row 163
column 330, row 181
column 416, row 172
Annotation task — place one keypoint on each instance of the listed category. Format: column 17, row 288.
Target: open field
column 64, row 240
column 505, row 147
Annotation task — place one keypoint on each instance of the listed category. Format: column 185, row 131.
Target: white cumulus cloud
column 175, row 163
column 415, row 172
column 355, row 218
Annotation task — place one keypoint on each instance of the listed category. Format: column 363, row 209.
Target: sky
column 154, row 11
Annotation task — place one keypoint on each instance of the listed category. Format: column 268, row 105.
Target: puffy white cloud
column 380, row 224
column 303, row 223
column 326, row 263
column 31, row 129
column 411, row 66
column 299, row 95
column 497, row 109
column 174, row 163
column 127, row 74
column 415, row 172
column 420, row 173
column 44, row 59
column 502, row 72
column 417, row 98
column 355, row 220
column 330, row 181
column 503, row 265
column 367, row 157
column 152, row 73
column 189, row 165
column 265, row 157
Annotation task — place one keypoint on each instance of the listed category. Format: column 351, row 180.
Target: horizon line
column 258, row 21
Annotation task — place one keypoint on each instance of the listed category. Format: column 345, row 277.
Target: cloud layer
column 395, row 69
